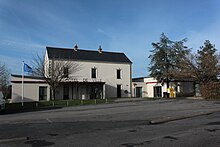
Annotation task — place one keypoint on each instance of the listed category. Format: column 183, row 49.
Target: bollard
column 36, row 105
column 67, row 103
column 95, row 101
column 81, row 102
column 106, row 100
column 53, row 104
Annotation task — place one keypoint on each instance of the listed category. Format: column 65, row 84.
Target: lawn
column 17, row 107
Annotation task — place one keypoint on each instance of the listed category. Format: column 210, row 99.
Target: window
column 66, row 72
column 138, row 91
column 42, row 93
column 93, row 73
column 118, row 74
column 157, row 91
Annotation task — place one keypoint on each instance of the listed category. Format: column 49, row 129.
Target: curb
column 13, row 139
column 169, row 119
column 119, row 100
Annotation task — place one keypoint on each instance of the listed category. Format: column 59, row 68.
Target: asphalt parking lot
column 125, row 124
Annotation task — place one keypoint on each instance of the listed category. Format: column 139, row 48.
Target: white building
column 100, row 74
column 150, row 87
column 35, row 89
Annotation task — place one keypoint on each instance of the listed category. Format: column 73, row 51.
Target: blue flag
column 27, row 68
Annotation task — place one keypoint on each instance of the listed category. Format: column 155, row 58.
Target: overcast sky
column 129, row 26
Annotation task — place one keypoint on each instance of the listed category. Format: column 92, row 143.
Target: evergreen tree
column 166, row 57
column 207, row 62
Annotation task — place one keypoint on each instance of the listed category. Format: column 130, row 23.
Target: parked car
column 2, row 104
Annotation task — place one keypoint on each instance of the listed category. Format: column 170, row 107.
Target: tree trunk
column 168, row 86
column 52, row 93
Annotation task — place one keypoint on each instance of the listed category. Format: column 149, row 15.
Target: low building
column 100, row 74
column 35, row 89
column 150, row 87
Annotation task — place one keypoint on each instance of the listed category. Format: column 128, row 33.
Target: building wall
column 136, row 85
column 149, row 84
column 31, row 90
column 187, row 87
column 46, row 63
column 106, row 72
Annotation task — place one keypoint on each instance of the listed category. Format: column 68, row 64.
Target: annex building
column 150, row 87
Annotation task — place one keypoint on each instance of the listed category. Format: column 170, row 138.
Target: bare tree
column 4, row 79
column 187, row 68
column 54, row 71
column 202, row 67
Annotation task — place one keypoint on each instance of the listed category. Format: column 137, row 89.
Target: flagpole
column 22, row 98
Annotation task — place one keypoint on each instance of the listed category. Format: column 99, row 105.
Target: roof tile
column 87, row 55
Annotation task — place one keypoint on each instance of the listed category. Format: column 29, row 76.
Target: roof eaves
column 31, row 77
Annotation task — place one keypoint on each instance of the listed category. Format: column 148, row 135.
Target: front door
column 118, row 91
column 138, row 91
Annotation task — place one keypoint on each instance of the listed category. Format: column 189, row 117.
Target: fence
column 53, row 104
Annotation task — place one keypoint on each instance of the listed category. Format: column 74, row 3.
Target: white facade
column 31, row 89
column 150, row 87
column 146, row 87
column 107, row 73
column 106, row 77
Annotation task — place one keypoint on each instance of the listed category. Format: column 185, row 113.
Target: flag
column 27, row 68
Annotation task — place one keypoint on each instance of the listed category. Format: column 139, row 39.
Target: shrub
column 210, row 90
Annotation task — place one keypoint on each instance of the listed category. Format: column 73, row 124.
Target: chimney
column 100, row 49
column 75, row 47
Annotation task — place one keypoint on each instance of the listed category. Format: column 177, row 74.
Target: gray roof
column 86, row 55
column 27, row 76
column 139, row 79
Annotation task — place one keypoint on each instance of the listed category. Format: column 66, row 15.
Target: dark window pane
column 157, row 91
column 42, row 93
column 93, row 72
column 118, row 74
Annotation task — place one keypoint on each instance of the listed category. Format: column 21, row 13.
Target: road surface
column 127, row 124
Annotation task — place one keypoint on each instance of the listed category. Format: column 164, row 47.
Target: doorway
column 138, row 91
column 157, row 91
column 119, row 91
